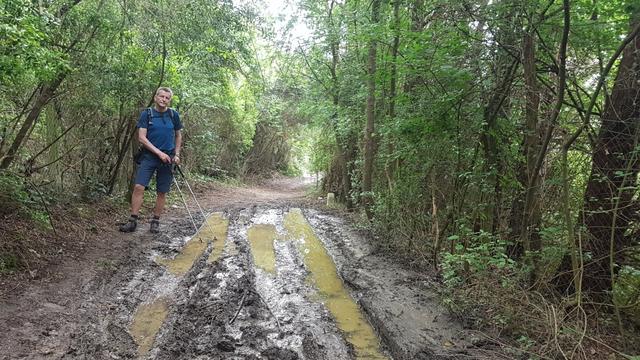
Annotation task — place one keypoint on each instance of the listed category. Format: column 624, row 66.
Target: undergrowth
column 37, row 226
column 22, row 216
column 484, row 287
column 20, row 199
column 498, row 296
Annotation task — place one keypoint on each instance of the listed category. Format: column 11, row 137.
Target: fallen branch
column 271, row 312
column 244, row 295
column 242, row 300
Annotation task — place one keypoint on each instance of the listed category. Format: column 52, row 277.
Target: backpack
column 137, row 157
column 171, row 115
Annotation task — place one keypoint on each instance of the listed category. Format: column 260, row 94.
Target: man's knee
column 163, row 181
column 139, row 189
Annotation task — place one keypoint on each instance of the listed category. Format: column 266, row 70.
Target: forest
column 494, row 143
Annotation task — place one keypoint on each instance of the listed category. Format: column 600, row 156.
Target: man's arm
column 178, row 146
column 142, row 138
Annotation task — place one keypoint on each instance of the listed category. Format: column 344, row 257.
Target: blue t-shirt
column 160, row 130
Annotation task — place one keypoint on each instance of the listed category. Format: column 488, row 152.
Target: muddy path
column 270, row 274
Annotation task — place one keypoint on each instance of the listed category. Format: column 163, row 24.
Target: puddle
column 147, row 322
column 215, row 231
column 185, row 259
column 218, row 225
column 147, row 311
column 324, row 275
column 149, row 318
column 261, row 238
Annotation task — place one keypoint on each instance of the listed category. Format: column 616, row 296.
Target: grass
column 8, row 263
column 106, row 264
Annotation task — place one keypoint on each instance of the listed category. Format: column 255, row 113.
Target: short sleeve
column 142, row 121
column 178, row 124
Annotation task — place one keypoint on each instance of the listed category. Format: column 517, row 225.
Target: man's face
column 163, row 99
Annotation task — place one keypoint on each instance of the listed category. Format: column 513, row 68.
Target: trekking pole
column 184, row 178
column 185, row 204
column 191, row 191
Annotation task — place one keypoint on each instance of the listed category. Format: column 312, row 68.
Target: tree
column 46, row 89
column 369, row 145
column 609, row 207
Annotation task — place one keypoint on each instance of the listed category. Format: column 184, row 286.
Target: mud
column 247, row 286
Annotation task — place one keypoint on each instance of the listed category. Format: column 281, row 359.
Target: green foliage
column 19, row 199
column 320, row 150
column 120, row 53
column 448, row 169
column 13, row 194
column 24, row 37
column 482, row 284
column 92, row 189
column 485, row 259
column 106, row 264
column 626, row 292
column 8, row 263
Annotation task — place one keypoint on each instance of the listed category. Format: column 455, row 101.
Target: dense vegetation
column 494, row 140
column 498, row 141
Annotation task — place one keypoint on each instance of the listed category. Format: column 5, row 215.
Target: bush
column 626, row 292
column 20, row 200
column 92, row 189
column 13, row 195
column 8, row 263
column 479, row 261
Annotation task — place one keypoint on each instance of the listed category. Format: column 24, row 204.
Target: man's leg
column 136, row 203
column 136, row 199
column 160, row 201
column 163, row 182
column 157, row 211
column 145, row 170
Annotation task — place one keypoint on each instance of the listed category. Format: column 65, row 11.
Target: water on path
column 332, row 291
column 261, row 238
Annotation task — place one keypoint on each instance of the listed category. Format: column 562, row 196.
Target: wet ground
column 269, row 275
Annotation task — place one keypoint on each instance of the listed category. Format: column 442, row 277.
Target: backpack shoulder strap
column 149, row 114
column 173, row 117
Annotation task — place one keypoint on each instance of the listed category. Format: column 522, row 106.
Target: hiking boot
column 129, row 226
column 155, row 226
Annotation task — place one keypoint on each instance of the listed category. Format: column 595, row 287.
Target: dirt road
column 269, row 275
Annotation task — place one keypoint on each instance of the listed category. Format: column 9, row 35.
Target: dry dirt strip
column 263, row 282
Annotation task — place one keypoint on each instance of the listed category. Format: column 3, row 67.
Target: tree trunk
column 389, row 167
column 123, row 149
column 505, row 66
column 489, row 140
column 525, row 215
column 344, row 142
column 367, row 173
column 608, row 202
column 45, row 95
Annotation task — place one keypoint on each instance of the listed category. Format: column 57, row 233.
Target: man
column 159, row 132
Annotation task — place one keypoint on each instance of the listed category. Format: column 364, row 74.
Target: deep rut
column 225, row 308
column 269, row 281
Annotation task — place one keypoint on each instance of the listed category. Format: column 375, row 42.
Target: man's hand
column 165, row 158
column 176, row 159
